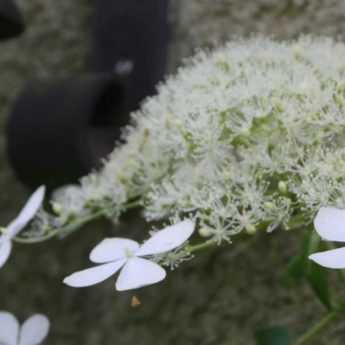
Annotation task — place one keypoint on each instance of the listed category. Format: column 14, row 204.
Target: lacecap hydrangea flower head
column 247, row 138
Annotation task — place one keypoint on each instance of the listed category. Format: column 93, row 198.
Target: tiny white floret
column 127, row 255
column 19, row 223
column 33, row 331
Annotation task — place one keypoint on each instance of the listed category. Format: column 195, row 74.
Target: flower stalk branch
column 308, row 337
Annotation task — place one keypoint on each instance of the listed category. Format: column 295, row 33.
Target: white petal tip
column 41, row 189
column 334, row 258
column 94, row 275
column 168, row 238
column 138, row 273
column 27, row 213
column 34, row 330
column 121, row 288
column 71, row 282
column 329, row 223
column 67, row 281
column 5, row 251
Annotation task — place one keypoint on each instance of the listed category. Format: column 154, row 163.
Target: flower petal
column 111, row 249
column 334, row 258
column 34, row 330
column 27, row 213
column 330, row 224
column 138, row 273
column 9, row 329
column 5, row 250
column 94, row 275
column 167, row 239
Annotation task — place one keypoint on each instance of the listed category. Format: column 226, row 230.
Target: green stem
column 201, row 246
column 43, row 238
column 133, row 204
column 294, row 223
column 61, row 231
column 310, row 335
column 75, row 225
column 68, row 229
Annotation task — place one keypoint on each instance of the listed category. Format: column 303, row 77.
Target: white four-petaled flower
column 18, row 224
column 330, row 225
column 33, row 331
column 121, row 253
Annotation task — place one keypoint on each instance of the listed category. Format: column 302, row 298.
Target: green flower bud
column 205, row 232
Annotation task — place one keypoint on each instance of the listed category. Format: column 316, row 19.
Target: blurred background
column 218, row 298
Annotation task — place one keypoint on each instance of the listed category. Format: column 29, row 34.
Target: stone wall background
column 219, row 297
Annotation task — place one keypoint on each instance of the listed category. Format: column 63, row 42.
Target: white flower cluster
column 248, row 137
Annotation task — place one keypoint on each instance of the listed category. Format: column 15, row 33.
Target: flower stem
column 60, row 231
column 133, row 204
column 201, row 246
column 73, row 226
column 32, row 240
column 310, row 335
